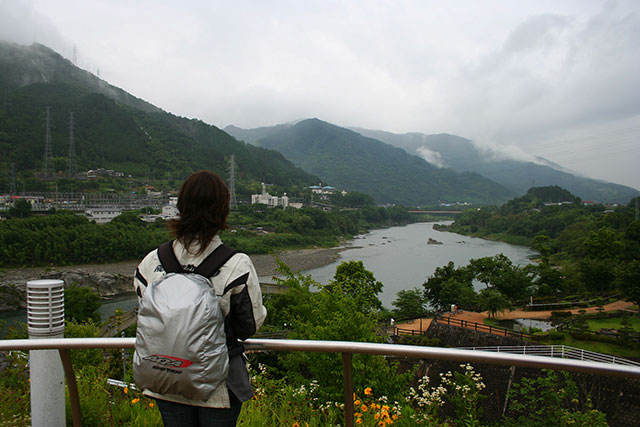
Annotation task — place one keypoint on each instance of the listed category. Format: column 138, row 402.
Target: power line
column 12, row 184
column 47, row 166
column 72, row 150
column 574, row 140
column 233, row 203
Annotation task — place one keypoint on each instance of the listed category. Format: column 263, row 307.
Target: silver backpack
column 181, row 344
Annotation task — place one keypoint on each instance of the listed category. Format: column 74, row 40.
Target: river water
column 399, row 257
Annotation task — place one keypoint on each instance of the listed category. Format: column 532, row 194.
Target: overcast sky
column 559, row 78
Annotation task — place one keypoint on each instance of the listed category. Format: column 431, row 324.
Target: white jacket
column 241, row 306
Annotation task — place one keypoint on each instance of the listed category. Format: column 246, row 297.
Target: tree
column 358, row 283
column 550, row 400
column 81, row 304
column 410, row 304
column 493, row 301
column 628, row 280
column 20, row 209
column 457, row 279
column 334, row 313
column 458, row 293
column 541, row 244
column 626, row 329
column 499, row 272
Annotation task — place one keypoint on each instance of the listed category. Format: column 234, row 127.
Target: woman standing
column 203, row 203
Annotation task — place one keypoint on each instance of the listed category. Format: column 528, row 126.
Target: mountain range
column 116, row 130
column 113, row 129
column 443, row 152
column 349, row 160
column 518, row 176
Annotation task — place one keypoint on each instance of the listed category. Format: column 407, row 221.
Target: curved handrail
column 346, row 348
column 409, row 351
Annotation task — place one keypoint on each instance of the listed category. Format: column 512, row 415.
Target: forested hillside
column 462, row 154
column 346, row 159
column 65, row 238
column 113, row 130
column 582, row 248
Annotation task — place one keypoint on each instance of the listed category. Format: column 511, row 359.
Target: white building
column 102, row 215
column 170, row 211
column 269, row 200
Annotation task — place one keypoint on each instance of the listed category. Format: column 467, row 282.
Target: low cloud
column 432, row 157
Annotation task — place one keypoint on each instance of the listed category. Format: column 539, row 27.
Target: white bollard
column 45, row 319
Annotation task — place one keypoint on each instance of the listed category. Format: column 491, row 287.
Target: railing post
column 348, row 389
column 74, row 397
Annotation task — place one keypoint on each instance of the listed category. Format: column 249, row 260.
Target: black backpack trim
column 207, row 268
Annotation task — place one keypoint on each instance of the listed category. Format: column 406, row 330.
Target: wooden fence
column 461, row 323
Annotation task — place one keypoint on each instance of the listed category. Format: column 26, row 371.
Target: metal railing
column 346, row 348
column 561, row 351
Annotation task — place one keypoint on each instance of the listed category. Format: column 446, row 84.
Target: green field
column 613, row 323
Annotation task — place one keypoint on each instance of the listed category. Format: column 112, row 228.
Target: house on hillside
column 102, row 215
column 170, row 211
column 269, row 200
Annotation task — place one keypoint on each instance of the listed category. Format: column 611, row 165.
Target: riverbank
column 265, row 264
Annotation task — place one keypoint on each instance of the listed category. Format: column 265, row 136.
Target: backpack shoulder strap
column 168, row 258
column 215, row 260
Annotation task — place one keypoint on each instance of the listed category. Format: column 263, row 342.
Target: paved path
column 544, row 314
column 423, row 324
column 415, row 324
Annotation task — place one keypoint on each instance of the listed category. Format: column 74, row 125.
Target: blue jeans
column 178, row 414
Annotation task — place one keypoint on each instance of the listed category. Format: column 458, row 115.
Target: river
column 399, row 257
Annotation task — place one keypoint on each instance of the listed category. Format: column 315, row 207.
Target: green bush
column 556, row 336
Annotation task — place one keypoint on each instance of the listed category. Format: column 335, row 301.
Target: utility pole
column 47, row 165
column 72, row 150
column 233, row 203
column 12, row 184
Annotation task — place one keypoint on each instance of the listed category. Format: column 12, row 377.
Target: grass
column 600, row 347
column 613, row 323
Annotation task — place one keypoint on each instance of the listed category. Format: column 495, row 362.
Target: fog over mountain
column 514, row 170
column 556, row 79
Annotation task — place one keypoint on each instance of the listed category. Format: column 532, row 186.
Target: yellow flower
column 358, row 415
column 357, row 402
column 367, row 391
column 152, row 405
column 364, row 408
column 376, row 416
column 382, row 423
column 395, row 416
column 136, row 400
column 126, row 390
column 295, row 424
column 359, row 421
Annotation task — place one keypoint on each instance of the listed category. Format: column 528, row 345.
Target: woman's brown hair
column 203, row 202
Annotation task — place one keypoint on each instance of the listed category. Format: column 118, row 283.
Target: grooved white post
column 45, row 319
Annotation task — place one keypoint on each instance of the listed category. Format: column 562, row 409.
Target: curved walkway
column 543, row 314
column 423, row 324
